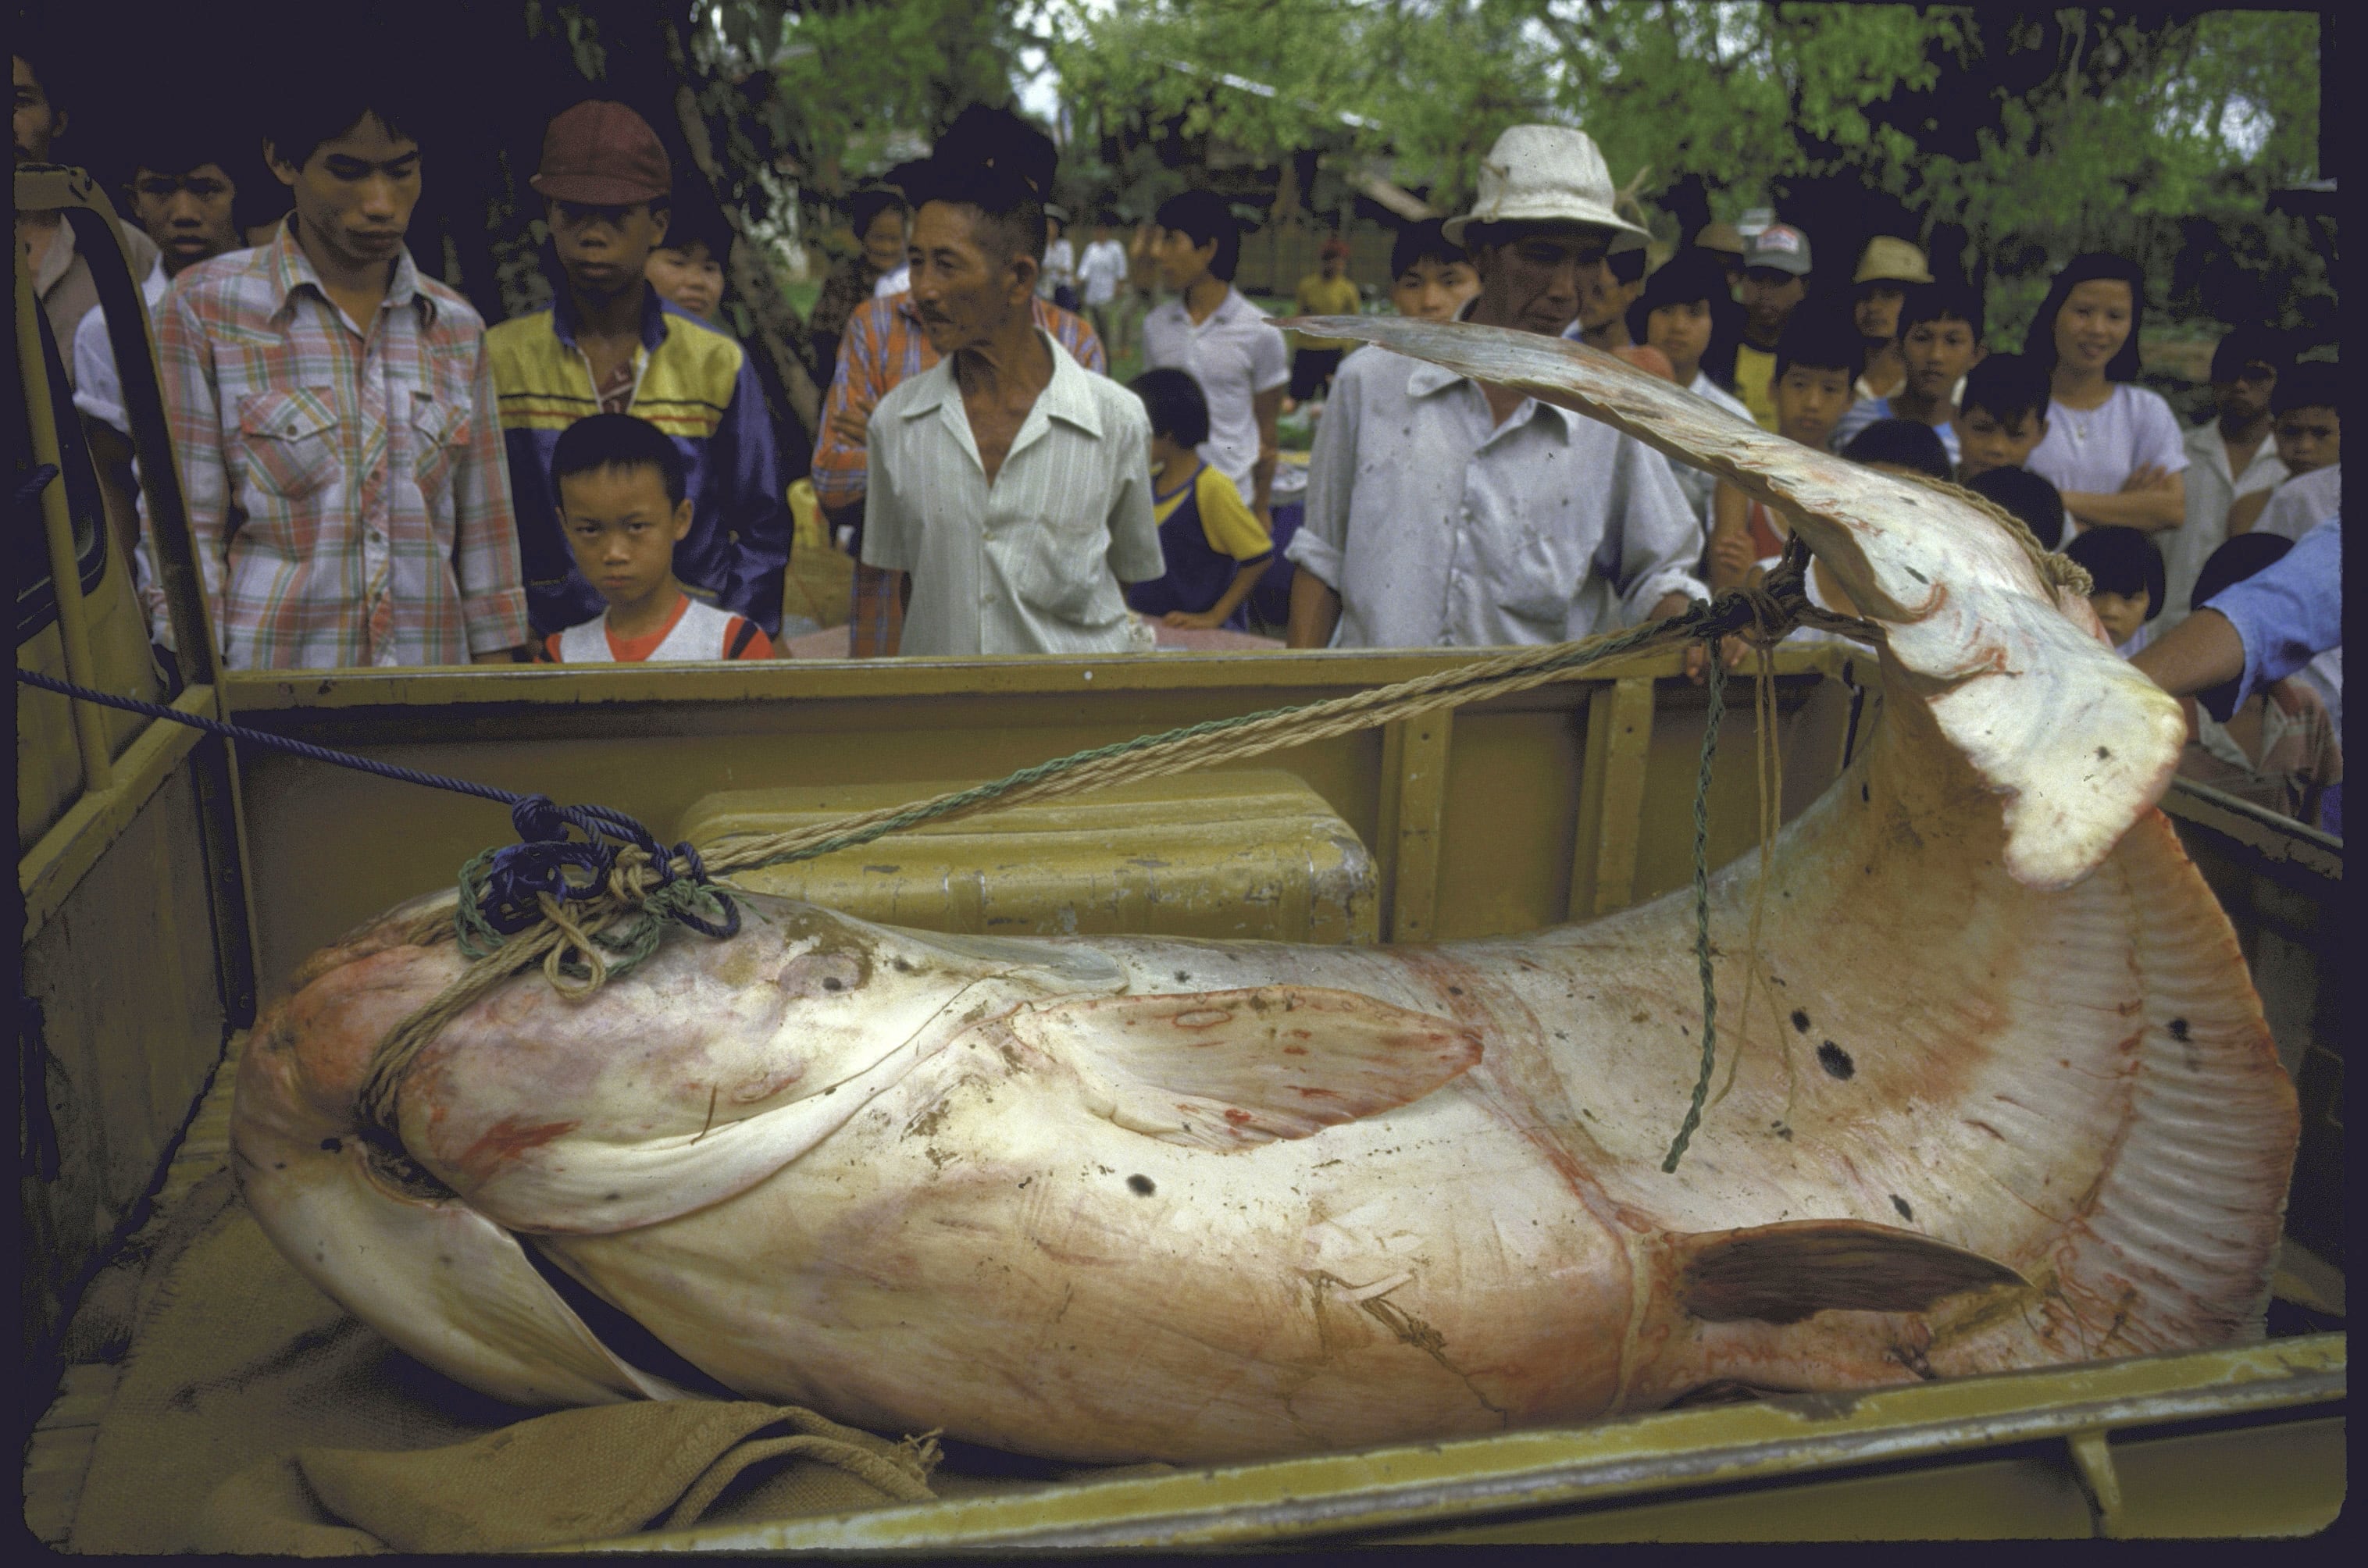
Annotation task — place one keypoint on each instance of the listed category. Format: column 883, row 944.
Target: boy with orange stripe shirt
column 625, row 506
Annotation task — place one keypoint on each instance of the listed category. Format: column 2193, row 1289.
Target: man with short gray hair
column 1008, row 484
column 1446, row 511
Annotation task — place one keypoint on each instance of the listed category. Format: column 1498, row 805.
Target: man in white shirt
column 1101, row 275
column 1442, row 511
column 1226, row 343
column 2227, row 456
column 1009, row 485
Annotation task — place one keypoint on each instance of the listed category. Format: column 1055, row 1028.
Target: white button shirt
column 1438, row 528
column 1236, row 353
column 2210, row 490
column 1031, row 564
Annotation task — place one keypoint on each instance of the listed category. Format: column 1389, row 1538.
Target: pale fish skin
column 2005, row 1098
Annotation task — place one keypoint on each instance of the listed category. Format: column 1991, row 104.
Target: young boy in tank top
column 1214, row 545
column 624, row 503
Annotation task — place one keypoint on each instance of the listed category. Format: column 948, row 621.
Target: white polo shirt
column 1236, row 353
column 1032, row 562
column 2212, row 489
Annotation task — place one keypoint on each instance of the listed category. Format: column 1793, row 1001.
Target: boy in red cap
column 611, row 343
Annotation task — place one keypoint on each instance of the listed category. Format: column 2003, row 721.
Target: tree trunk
column 752, row 274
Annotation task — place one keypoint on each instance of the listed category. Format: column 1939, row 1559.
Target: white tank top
column 698, row 635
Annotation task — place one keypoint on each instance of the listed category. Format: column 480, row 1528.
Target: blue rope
column 500, row 888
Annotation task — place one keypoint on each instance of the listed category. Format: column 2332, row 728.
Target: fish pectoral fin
column 1229, row 1069
column 1783, row 1273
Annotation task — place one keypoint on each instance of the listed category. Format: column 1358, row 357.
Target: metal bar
column 1419, row 748
column 1611, row 800
column 97, row 236
column 2092, row 1455
column 1767, row 1440
column 1300, row 677
column 57, row 526
column 64, row 855
column 2276, row 838
column 167, row 513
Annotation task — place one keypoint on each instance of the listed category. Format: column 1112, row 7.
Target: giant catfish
column 1115, row 1198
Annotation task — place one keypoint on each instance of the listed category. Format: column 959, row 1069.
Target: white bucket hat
column 1544, row 174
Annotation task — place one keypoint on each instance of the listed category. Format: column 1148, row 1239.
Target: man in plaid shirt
column 333, row 411
column 885, row 345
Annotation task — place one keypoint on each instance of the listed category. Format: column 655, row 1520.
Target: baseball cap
column 602, row 155
column 1889, row 260
column 1780, row 246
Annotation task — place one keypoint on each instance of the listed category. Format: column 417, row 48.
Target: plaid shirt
column 347, row 495
column 885, row 345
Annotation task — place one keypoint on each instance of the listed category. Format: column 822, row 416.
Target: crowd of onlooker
column 374, row 475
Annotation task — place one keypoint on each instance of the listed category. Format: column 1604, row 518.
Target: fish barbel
column 1124, row 1199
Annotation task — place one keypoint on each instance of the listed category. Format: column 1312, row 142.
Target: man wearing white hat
column 1447, row 512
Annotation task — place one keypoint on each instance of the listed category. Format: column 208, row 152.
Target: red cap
column 602, row 155
column 1336, row 246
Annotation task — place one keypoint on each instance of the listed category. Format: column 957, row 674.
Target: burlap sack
column 254, row 1416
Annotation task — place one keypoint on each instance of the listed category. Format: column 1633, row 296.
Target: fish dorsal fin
column 1783, row 1273
column 1229, row 1069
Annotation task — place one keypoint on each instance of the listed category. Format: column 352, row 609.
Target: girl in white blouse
column 2112, row 447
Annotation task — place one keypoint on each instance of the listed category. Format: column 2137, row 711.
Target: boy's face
column 1877, row 311
column 1769, row 295
column 1181, row 263
column 1432, row 290
column 884, row 240
column 1333, row 265
column 604, row 250
column 1606, row 299
column 2121, row 613
column 187, row 214
column 1169, row 462
column 687, row 276
column 2247, row 398
column 1937, row 353
column 35, row 121
column 1681, row 331
column 354, row 194
column 623, row 530
column 1810, row 400
column 2310, row 438
column 1985, row 441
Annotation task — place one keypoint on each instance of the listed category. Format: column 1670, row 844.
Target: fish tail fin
column 2176, row 1245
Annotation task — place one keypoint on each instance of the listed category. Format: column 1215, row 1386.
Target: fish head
column 701, row 1070
column 699, row 1073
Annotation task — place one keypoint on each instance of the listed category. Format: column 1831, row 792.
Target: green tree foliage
column 2013, row 137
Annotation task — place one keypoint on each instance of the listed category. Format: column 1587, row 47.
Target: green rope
column 1591, row 653
column 1717, row 671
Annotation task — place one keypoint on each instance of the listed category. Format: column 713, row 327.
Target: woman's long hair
column 2095, row 266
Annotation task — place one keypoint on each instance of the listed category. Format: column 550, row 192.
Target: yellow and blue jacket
column 696, row 386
